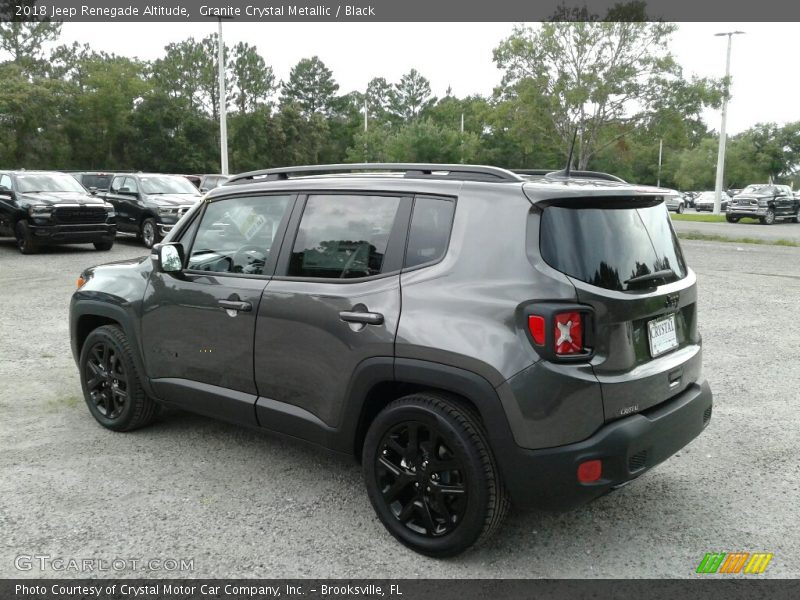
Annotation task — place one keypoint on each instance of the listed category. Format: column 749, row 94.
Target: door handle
column 235, row 305
column 368, row 318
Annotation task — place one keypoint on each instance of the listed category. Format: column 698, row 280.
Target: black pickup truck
column 149, row 204
column 765, row 202
column 44, row 207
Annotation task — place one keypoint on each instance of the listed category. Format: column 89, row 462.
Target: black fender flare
column 467, row 384
column 121, row 313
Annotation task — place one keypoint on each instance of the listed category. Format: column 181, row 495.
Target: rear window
column 101, row 182
column 610, row 246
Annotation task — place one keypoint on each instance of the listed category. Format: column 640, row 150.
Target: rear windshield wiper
column 663, row 274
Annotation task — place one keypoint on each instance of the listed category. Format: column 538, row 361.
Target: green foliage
column 311, row 88
column 410, row 96
column 595, row 76
column 76, row 108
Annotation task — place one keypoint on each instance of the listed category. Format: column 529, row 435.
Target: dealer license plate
column 662, row 335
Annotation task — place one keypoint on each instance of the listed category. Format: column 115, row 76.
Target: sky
column 765, row 88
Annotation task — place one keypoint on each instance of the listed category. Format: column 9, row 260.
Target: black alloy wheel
column 110, row 381
column 25, row 241
column 150, row 235
column 106, row 380
column 431, row 475
column 421, row 479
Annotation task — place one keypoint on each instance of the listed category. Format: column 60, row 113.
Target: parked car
column 546, row 353
column 149, row 204
column 93, row 181
column 705, row 202
column 675, row 201
column 765, row 202
column 688, row 198
column 194, row 179
column 43, row 207
column 209, row 182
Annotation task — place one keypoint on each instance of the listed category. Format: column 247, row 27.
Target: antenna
column 566, row 172
column 571, row 151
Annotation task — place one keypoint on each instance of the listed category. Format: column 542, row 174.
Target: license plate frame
column 662, row 339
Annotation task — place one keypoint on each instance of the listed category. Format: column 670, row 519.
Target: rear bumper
column 73, row 234
column 627, row 447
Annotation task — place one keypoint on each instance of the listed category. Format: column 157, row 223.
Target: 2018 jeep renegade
column 475, row 336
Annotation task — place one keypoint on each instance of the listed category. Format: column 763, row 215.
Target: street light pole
column 722, row 135
column 223, row 116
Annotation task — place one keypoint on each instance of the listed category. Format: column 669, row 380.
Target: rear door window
column 607, row 243
column 344, row 236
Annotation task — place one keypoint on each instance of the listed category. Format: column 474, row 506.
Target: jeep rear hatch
column 623, row 257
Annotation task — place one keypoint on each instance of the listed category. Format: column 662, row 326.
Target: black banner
column 267, row 11
column 402, row 589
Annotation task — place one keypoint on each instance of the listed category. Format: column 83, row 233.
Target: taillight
column 561, row 331
column 568, row 333
column 536, row 327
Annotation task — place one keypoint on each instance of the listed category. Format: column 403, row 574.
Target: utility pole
column 462, row 138
column 366, row 114
column 722, row 135
column 660, row 150
column 223, row 113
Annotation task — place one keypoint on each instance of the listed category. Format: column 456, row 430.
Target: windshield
column 757, row 189
column 608, row 244
column 48, row 182
column 164, row 184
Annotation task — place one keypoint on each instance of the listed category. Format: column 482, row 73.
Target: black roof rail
column 576, row 174
column 410, row 170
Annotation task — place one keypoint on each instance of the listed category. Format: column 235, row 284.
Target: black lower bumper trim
column 74, row 234
column 627, row 447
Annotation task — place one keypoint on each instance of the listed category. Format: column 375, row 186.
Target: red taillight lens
column 536, row 327
column 568, row 333
column 589, row 471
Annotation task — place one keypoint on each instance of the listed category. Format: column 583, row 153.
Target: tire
column 149, row 233
column 111, row 385
column 680, row 208
column 442, row 494
column 769, row 218
column 25, row 242
column 104, row 246
column 731, row 219
column 796, row 218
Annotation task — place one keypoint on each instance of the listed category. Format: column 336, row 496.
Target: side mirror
column 169, row 258
column 203, row 189
column 93, row 191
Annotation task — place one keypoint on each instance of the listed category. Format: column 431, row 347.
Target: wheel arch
column 88, row 315
column 373, row 387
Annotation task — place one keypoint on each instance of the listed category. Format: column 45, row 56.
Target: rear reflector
column 568, row 333
column 590, row 471
column 536, row 327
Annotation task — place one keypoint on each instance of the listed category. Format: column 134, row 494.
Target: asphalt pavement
column 236, row 503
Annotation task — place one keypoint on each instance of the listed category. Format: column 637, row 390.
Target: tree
column 21, row 39
column 311, row 88
column 421, row 140
column 253, row 79
column 596, row 74
column 379, row 99
column 411, row 96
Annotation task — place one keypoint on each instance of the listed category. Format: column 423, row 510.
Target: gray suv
column 475, row 337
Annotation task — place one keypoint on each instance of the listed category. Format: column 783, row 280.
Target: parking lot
column 243, row 504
